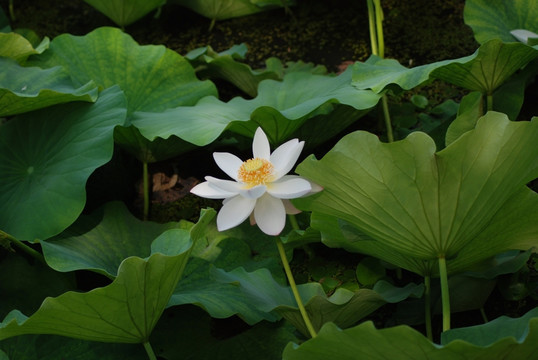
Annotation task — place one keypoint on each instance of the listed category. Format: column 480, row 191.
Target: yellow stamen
column 255, row 172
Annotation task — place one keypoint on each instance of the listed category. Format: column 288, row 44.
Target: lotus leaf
column 46, row 158
column 23, row 89
column 418, row 202
column 127, row 310
column 483, row 71
column 518, row 340
column 102, row 240
column 153, row 78
column 18, row 48
column 125, row 12
column 281, row 108
column 494, row 19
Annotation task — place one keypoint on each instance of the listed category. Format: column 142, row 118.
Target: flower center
column 255, row 172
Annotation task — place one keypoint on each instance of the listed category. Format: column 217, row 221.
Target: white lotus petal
column 206, row 190
column 229, row 163
column 226, row 185
column 523, row 35
column 270, row 214
column 253, row 192
column 285, row 157
column 260, row 145
column 315, row 188
column 234, row 212
column 290, row 208
column 289, row 187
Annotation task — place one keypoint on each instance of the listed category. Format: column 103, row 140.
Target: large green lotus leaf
column 52, row 347
column 494, row 62
column 125, row 311
column 125, row 12
column 482, row 71
column 514, row 226
column 46, row 158
column 402, row 342
column 18, row 48
column 377, row 73
column 23, row 89
column 494, row 19
column 418, row 202
column 281, row 108
column 338, row 233
column 102, row 240
column 153, row 77
column 223, row 65
column 186, row 332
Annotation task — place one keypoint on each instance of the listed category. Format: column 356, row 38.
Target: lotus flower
column 260, row 188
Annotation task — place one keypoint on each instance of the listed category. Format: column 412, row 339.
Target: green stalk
column 145, row 184
column 372, row 27
column 149, row 351
column 293, row 222
column 484, row 316
column 427, row 307
column 379, row 28
column 11, row 10
column 293, row 286
column 445, row 296
column 24, row 248
column 386, row 116
column 489, row 102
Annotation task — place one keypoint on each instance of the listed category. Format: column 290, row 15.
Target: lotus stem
column 489, row 102
column 145, row 184
column 484, row 316
column 427, row 307
column 445, row 296
column 386, row 116
column 379, row 28
column 375, row 21
column 372, row 26
column 149, row 351
column 23, row 247
column 11, row 10
column 294, row 289
column 293, row 222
